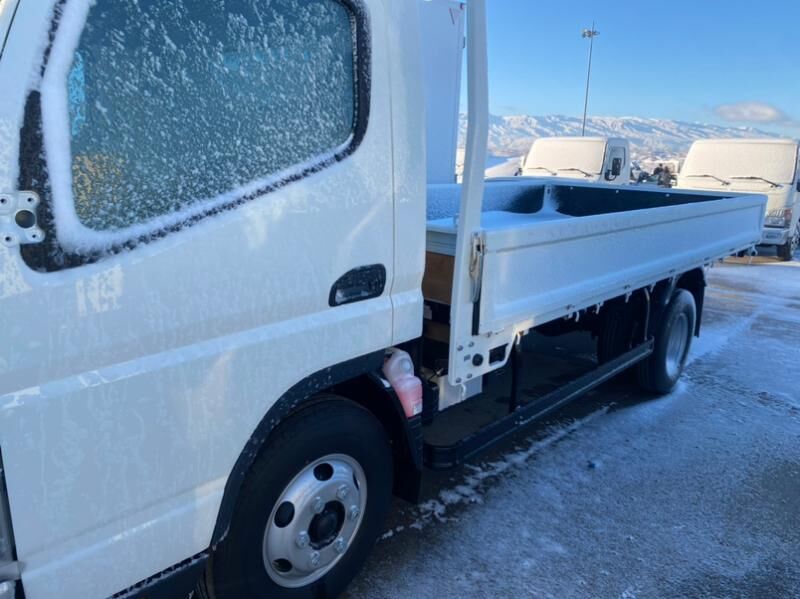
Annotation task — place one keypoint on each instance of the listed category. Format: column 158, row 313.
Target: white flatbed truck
column 205, row 255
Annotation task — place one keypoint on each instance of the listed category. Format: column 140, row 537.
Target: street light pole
column 591, row 34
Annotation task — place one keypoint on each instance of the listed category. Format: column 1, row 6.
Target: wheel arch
column 357, row 381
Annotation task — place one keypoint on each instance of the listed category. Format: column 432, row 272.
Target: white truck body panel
column 442, row 38
column 723, row 164
column 584, row 159
column 559, row 266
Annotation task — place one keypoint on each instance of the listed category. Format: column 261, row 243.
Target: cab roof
column 751, row 140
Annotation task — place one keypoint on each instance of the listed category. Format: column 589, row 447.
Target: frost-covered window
column 175, row 107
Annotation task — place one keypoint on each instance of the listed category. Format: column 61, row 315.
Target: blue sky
column 725, row 62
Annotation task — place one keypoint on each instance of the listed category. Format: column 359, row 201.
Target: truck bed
column 552, row 250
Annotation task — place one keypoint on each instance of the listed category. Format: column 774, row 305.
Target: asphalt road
column 621, row 495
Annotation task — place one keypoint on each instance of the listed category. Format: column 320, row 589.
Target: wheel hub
column 677, row 345
column 326, row 526
column 314, row 521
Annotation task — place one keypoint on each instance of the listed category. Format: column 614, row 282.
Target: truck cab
column 588, row 159
column 763, row 166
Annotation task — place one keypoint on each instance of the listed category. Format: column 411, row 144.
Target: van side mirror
column 798, row 185
column 616, row 167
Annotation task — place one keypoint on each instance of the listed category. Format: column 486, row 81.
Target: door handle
column 358, row 285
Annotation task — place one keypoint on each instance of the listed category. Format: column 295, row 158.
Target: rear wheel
column 787, row 250
column 310, row 509
column 673, row 339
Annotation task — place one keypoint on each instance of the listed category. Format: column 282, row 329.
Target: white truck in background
column 763, row 166
column 216, row 221
column 588, row 159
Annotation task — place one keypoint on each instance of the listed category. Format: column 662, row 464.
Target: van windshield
column 569, row 157
column 753, row 161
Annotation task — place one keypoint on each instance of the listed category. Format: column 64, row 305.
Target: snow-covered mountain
column 651, row 139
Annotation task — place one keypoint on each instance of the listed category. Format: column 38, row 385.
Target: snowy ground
column 696, row 494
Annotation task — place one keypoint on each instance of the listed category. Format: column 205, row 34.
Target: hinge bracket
column 18, row 220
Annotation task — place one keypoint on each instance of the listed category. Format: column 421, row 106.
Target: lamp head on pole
column 589, row 34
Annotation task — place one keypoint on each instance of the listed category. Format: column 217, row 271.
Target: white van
column 587, row 159
column 763, row 166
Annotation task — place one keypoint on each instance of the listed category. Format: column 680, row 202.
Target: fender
column 405, row 434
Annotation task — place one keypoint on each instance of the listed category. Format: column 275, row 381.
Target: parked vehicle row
column 761, row 166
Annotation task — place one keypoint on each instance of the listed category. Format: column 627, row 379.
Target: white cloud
column 751, row 112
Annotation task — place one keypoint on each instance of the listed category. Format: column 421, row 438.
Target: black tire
column 787, row 250
column 661, row 371
column 333, row 426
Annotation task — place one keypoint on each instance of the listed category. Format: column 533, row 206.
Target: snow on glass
column 172, row 104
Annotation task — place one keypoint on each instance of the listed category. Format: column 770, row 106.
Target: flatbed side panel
column 548, row 270
column 537, row 267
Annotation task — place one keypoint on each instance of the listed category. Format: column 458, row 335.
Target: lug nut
column 342, row 492
column 302, row 540
column 314, row 559
column 339, row 545
column 317, row 505
column 354, row 512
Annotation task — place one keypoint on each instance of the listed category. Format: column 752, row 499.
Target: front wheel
column 787, row 250
column 310, row 509
column 673, row 339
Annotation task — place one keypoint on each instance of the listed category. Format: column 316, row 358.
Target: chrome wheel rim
column 677, row 344
column 314, row 521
